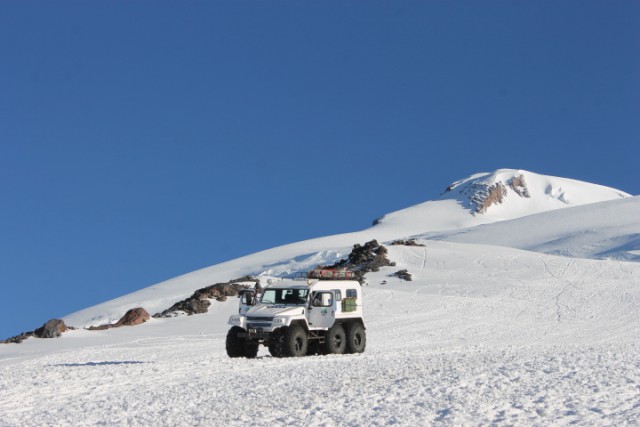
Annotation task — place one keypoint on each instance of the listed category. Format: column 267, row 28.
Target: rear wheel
column 356, row 338
column 335, row 341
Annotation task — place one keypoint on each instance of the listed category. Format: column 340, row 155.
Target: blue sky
column 143, row 140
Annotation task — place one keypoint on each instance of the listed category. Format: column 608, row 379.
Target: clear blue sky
column 143, row 140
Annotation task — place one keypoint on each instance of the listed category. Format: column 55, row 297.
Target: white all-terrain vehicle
column 299, row 318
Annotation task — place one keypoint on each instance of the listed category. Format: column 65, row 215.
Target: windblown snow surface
column 483, row 335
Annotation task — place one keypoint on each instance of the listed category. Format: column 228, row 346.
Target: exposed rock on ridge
column 199, row 301
column 483, row 195
column 52, row 329
column 403, row 274
column 133, row 317
column 518, row 185
column 409, row 242
column 364, row 259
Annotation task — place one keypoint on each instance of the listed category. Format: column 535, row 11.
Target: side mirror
column 248, row 298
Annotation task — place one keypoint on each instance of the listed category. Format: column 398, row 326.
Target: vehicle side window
column 338, row 294
column 352, row 293
column 323, row 299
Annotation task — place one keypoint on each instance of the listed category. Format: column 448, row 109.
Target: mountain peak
column 524, row 192
column 501, row 195
column 486, row 190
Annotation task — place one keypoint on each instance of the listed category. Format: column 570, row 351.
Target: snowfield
column 483, row 335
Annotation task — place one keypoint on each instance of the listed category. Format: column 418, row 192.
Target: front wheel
column 251, row 349
column 235, row 345
column 276, row 343
column 295, row 341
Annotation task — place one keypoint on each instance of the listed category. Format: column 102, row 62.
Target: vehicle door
column 322, row 311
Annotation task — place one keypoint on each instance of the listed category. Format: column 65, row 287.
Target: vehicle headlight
column 279, row 320
column 235, row 320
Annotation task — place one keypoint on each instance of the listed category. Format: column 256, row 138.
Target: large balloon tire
column 335, row 341
column 356, row 338
column 276, row 342
column 235, row 345
column 295, row 341
column 251, row 350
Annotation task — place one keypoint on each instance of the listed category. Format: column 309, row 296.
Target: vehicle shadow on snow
column 108, row 363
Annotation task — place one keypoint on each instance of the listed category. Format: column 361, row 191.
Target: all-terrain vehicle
column 299, row 318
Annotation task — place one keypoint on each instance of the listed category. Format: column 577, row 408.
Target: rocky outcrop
column 99, row 327
column 199, row 301
column 363, row 259
column 484, row 194
column 17, row 339
column 133, row 317
column 410, row 242
column 402, row 274
column 52, row 329
column 191, row 305
column 518, row 185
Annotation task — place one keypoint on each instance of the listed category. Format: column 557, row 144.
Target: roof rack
column 331, row 274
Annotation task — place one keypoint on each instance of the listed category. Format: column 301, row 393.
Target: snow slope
column 482, row 335
column 606, row 230
column 450, row 212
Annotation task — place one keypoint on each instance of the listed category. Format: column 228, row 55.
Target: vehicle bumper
column 255, row 334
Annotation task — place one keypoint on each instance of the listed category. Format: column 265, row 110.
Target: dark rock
column 482, row 195
column 488, row 196
column 52, row 329
column 518, row 185
column 199, row 301
column 133, row 317
column 402, row 274
column 410, row 242
column 378, row 221
column 99, row 328
column 18, row 338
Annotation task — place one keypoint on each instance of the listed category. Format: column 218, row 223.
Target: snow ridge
column 480, row 192
column 486, row 198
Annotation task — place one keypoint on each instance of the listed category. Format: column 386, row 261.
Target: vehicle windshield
column 285, row 296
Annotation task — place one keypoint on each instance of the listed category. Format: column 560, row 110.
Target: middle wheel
column 335, row 341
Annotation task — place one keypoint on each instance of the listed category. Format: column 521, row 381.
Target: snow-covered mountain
column 494, row 328
column 454, row 210
column 485, row 198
